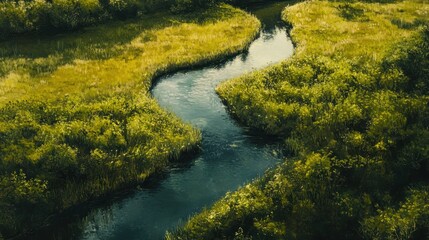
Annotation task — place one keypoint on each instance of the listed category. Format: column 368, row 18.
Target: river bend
column 230, row 157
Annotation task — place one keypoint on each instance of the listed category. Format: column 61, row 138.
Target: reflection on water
column 230, row 155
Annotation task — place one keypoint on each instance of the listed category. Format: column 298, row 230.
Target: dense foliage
column 21, row 16
column 76, row 118
column 58, row 15
column 353, row 108
column 57, row 154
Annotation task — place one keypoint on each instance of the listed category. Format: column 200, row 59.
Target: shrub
column 191, row 5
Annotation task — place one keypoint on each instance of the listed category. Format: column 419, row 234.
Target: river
column 231, row 155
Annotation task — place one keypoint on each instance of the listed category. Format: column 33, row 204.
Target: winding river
column 230, row 157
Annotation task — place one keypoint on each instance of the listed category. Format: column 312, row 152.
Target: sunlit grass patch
column 138, row 49
column 321, row 26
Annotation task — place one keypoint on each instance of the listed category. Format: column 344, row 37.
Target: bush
column 41, row 15
column 20, row 197
column 17, row 17
column 66, row 14
column 78, row 149
column 191, row 5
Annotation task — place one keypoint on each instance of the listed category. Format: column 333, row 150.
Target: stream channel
column 231, row 154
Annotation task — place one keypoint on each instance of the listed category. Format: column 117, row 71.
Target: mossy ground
column 77, row 120
column 352, row 107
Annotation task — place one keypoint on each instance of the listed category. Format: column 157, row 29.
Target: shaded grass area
column 352, row 107
column 47, row 16
column 77, row 120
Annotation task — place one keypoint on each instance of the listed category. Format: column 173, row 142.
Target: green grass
column 352, row 108
column 370, row 32
column 77, row 120
column 89, row 61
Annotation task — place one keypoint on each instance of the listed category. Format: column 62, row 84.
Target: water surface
column 230, row 157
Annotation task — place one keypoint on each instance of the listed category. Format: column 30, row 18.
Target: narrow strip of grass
column 352, row 107
column 77, row 120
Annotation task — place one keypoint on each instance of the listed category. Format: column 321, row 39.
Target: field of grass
column 76, row 118
column 352, row 105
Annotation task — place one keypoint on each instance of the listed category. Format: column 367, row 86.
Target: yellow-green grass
column 131, row 54
column 77, row 120
column 352, row 107
column 353, row 30
column 323, row 31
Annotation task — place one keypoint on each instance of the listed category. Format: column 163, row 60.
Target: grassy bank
column 77, row 120
column 352, row 107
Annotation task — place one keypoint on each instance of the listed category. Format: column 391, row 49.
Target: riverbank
column 352, row 107
column 77, row 120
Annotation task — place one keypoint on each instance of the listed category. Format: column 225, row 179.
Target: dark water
column 231, row 156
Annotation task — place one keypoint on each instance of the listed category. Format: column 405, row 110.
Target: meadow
column 77, row 121
column 352, row 107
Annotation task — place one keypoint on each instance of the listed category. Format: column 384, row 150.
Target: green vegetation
column 22, row 16
column 57, row 15
column 76, row 118
column 353, row 108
